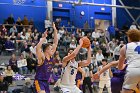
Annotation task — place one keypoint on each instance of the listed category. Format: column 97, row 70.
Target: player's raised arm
column 39, row 53
column 73, row 54
column 108, row 66
column 122, row 58
column 88, row 61
column 55, row 40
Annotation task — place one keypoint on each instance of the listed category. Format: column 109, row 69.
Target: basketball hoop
column 18, row 2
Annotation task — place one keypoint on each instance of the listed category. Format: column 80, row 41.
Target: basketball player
column 80, row 77
column 70, row 67
column 45, row 62
column 131, row 52
column 104, row 78
column 116, row 80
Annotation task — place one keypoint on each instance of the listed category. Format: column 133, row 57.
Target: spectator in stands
column 19, row 41
column 82, row 54
column 133, row 26
column 25, row 20
column 116, row 52
column 99, row 57
column 73, row 38
column 3, row 85
column 111, row 30
column 94, row 43
column 79, row 32
column 28, row 33
column 86, row 27
column 35, row 39
column 103, row 47
column 68, row 26
column 57, row 23
column 13, row 29
column 27, row 87
column 95, row 34
column 13, row 63
column 6, row 35
column 3, row 29
column 25, row 49
column 107, row 35
column 47, row 23
column 117, row 33
column 23, row 35
column 101, row 32
column 73, row 44
column 23, row 68
column 10, row 19
column 57, row 58
column 94, row 63
column 35, row 33
column 29, row 41
column 33, row 48
column 2, row 42
column 19, row 23
column 66, row 40
column 9, row 44
column 89, row 36
column 56, row 75
column 31, row 63
column 9, row 74
column 13, row 37
column 87, row 79
column 31, row 22
column 111, row 46
column 61, row 31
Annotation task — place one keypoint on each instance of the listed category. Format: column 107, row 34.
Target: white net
column 19, row 2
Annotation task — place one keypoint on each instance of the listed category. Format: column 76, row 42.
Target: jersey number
column 72, row 71
column 137, row 49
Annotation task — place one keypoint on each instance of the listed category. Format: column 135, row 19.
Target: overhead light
column 103, row 9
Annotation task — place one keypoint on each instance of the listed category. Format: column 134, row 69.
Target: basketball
column 86, row 42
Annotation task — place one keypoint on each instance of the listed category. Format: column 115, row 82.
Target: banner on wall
column 19, row 1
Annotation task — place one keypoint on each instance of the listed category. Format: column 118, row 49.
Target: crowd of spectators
column 23, row 39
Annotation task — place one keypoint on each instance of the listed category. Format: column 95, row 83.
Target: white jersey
column 105, row 75
column 69, row 74
column 133, row 54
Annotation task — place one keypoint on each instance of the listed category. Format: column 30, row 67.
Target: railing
column 72, row 28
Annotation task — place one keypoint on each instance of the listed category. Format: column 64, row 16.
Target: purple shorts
column 41, row 85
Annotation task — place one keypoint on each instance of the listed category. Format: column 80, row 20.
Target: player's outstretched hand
column 96, row 76
column 42, row 39
column 45, row 34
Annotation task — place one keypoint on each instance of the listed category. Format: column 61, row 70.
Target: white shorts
column 70, row 89
column 103, row 83
column 132, row 78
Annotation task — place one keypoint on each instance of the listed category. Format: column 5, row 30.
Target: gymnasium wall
column 67, row 12
column 38, row 14
column 91, row 12
column 122, row 16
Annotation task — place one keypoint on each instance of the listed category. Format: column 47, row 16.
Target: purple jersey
column 78, row 76
column 44, row 71
column 117, row 80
